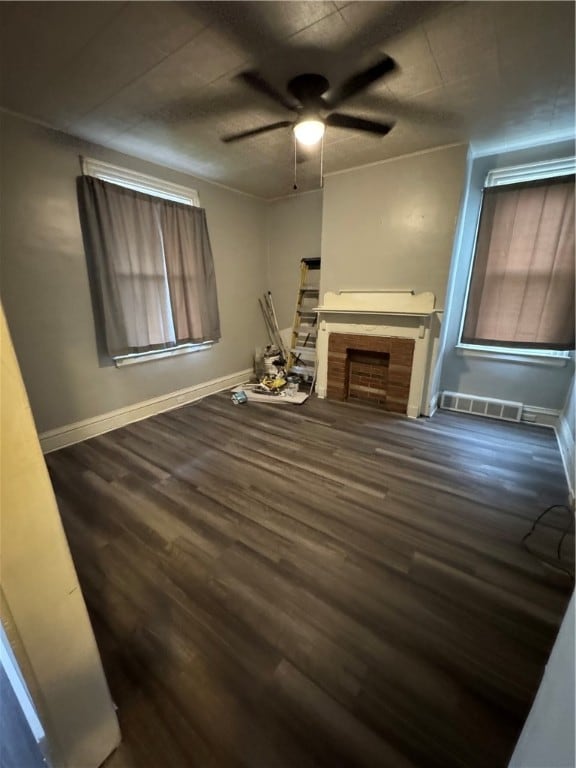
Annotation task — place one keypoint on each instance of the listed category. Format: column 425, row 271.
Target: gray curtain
column 191, row 281
column 522, row 288
column 153, row 266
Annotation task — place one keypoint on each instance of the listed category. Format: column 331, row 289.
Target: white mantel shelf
column 378, row 303
column 331, row 311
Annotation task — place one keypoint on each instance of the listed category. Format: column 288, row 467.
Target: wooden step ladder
column 302, row 357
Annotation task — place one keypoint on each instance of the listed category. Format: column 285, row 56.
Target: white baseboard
column 566, row 446
column 544, row 417
column 60, row 437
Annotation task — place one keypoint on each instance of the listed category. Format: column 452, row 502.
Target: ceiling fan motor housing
column 308, row 88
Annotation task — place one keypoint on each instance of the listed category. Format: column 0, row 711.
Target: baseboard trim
column 544, row 417
column 70, row 434
column 564, row 439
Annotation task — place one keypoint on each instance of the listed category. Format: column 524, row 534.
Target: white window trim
column 499, row 177
column 144, row 357
column 140, row 182
column 553, row 358
column 514, row 174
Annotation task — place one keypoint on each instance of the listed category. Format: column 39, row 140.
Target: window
column 521, row 288
column 149, row 251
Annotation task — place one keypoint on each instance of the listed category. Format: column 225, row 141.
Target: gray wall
column 386, row 226
column 294, row 230
column 547, row 740
column 391, row 225
column 536, row 385
column 45, row 287
column 569, row 416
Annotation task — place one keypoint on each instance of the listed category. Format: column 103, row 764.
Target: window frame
column 498, row 177
column 166, row 190
column 140, row 182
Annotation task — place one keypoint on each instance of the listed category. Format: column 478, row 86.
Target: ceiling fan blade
column 408, row 110
column 256, row 131
column 255, row 81
column 358, row 82
column 338, row 120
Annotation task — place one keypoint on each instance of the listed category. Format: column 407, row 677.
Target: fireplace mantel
column 378, row 303
column 398, row 314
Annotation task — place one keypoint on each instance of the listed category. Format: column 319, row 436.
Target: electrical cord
column 560, row 542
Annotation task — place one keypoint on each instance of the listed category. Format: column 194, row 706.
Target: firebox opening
column 390, row 360
column 367, row 375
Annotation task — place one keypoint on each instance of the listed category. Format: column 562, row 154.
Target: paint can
column 292, row 385
column 271, row 354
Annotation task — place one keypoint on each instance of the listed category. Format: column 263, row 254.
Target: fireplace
column 379, row 346
column 376, row 369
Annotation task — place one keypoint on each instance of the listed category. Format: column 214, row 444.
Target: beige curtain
column 153, row 266
column 522, row 287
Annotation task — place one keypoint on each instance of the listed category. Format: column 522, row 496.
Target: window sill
column 557, row 360
column 146, row 357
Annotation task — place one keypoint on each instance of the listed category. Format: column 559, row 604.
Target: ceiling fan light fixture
column 309, row 131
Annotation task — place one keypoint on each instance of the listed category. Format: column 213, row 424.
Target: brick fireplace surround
column 385, row 381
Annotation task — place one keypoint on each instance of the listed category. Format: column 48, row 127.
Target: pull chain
column 295, row 180
column 322, row 162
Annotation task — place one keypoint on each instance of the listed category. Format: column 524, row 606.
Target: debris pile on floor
column 274, row 377
column 274, row 381
column 250, row 392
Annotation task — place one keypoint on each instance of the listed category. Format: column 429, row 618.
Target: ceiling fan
column 312, row 99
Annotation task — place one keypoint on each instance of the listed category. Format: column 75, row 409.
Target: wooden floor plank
column 328, row 585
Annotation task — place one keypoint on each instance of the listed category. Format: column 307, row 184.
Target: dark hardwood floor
column 325, row 585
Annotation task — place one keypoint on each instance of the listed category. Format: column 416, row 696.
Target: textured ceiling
column 157, row 80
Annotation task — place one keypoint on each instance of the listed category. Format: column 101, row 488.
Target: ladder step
column 303, row 350
column 302, row 358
